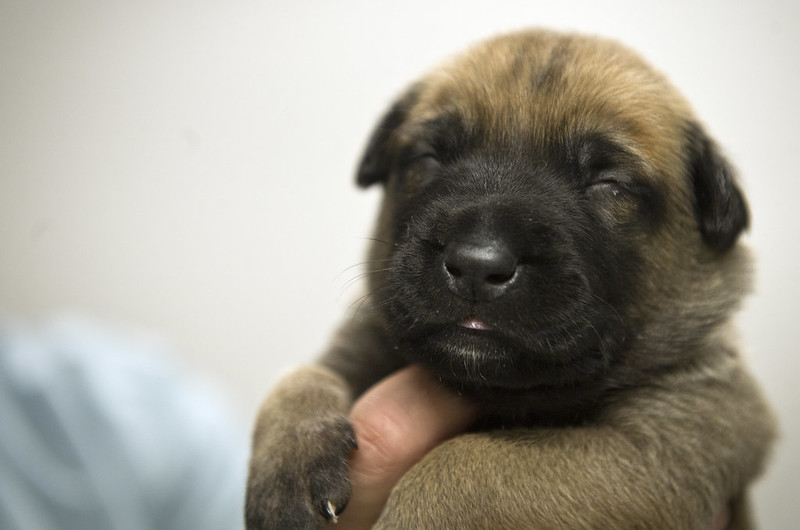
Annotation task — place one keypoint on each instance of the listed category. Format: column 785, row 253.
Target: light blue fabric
column 99, row 431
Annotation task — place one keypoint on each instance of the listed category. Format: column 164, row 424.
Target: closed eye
column 618, row 184
column 419, row 166
column 606, row 186
column 425, row 161
column 610, row 180
column 418, row 153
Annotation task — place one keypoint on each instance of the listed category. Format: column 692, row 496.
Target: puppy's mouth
column 475, row 352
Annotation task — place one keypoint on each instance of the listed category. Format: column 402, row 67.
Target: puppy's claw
column 331, row 512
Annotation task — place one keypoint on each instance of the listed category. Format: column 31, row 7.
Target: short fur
column 559, row 241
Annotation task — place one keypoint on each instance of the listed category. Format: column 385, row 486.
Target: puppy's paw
column 301, row 479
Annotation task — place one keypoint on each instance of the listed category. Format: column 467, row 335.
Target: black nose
column 479, row 271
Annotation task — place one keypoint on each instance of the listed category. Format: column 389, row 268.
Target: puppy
column 558, row 241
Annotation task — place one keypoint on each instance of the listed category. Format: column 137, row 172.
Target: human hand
column 397, row 422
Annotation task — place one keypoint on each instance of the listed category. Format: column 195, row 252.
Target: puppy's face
column 552, row 214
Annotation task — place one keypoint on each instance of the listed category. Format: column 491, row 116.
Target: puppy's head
column 553, row 217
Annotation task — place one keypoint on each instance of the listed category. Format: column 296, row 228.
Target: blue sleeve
column 101, row 431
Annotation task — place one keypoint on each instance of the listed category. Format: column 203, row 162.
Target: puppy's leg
column 299, row 477
column 298, row 469
column 663, row 458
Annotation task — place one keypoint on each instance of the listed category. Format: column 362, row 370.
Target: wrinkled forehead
column 531, row 91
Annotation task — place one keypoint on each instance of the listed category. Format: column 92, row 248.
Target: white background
column 186, row 167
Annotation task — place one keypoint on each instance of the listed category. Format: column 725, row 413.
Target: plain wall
column 187, row 167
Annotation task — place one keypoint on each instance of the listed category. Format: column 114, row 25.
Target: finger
column 721, row 520
column 396, row 423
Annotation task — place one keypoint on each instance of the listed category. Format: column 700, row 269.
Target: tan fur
column 685, row 432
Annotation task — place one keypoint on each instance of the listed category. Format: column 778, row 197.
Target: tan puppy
column 558, row 241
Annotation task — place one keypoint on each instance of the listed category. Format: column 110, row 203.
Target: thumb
column 397, row 422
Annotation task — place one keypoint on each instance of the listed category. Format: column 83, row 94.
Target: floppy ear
column 720, row 206
column 377, row 159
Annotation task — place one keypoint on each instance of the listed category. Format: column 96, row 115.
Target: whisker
column 361, row 264
column 376, row 240
column 358, row 278
column 357, row 304
column 608, row 305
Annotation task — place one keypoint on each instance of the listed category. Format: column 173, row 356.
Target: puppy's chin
column 473, row 356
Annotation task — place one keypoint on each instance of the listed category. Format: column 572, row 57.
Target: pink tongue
column 474, row 323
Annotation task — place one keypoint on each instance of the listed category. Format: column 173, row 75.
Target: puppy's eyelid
column 610, row 176
column 418, row 166
column 618, row 182
column 425, row 155
column 606, row 185
column 420, row 156
column 601, row 158
column 417, row 151
column 422, row 160
column 591, row 175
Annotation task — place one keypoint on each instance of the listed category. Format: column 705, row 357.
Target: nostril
column 500, row 279
column 454, row 271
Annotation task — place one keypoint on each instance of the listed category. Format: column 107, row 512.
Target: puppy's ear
column 377, row 159
column 720, row 206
